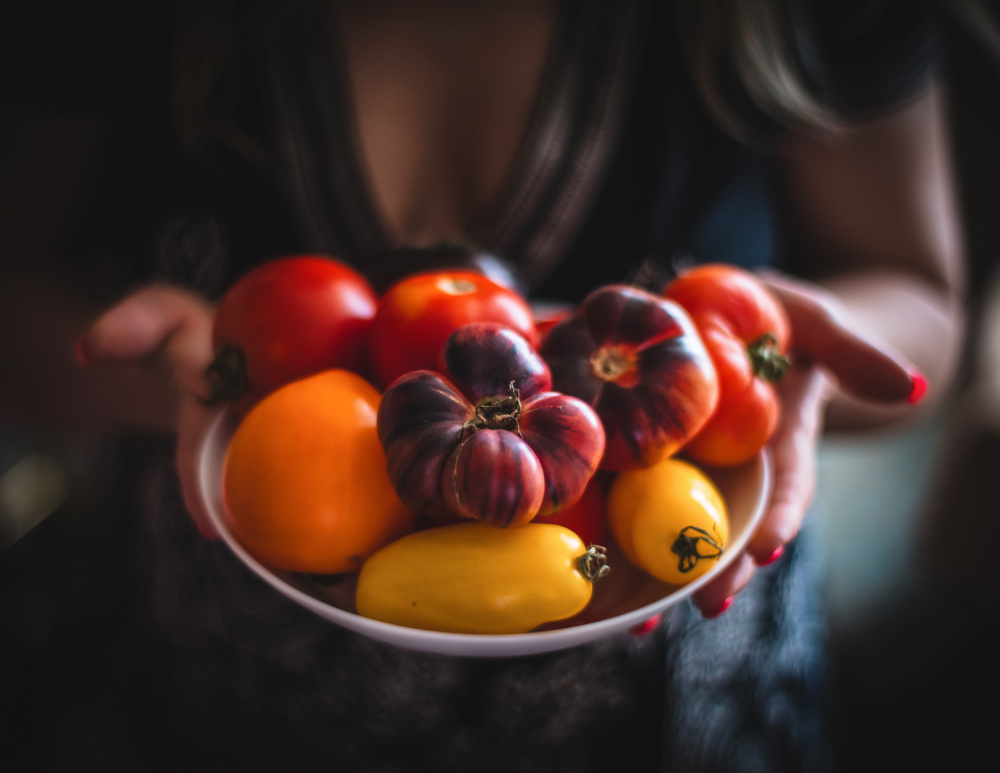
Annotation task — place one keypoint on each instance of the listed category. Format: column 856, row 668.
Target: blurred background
column 912, row 557
column 913, row 564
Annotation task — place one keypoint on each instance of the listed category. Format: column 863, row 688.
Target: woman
column 584, row 144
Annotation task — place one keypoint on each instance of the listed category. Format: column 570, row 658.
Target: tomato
column 418, row 314
column 746, row 333
column 487, row 438
column 669, row 520
column 548, row 314
column 305, row 482
column 586, row 517
column 285, row 320
column 475, row 578
column 638, row 361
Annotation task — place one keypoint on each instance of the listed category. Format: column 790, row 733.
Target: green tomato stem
column 226, row 376
column 593, row 564
column 768, row 363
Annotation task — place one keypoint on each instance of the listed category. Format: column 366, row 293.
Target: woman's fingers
column 156, row 320
column 804, row 393
column 825, row 347
column 793, row 450
column 716, row 595
column 168, row 332
column 823, row 335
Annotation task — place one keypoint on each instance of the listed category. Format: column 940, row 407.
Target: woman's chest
column 441, row 98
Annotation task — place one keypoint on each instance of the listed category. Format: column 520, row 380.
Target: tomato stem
column 226, row 376
column 498, row 413
column 452, row 286
column 614, row 363
column 686, row 547
column 594, row 563
column 768, row 363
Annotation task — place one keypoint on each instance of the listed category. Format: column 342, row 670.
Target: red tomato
column 416, row 316
column 746, row 333
column 587, row 517
column 285, row 320
column 548, row 314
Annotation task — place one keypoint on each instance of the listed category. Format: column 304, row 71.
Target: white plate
column 626, row 597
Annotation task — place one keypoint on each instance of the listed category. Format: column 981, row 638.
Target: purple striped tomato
column 487, row 439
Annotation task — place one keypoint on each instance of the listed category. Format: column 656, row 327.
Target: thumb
column 821, row 335
column 153, row 320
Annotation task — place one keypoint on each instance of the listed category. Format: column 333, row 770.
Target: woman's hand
column 161, row 336
column 829, row 358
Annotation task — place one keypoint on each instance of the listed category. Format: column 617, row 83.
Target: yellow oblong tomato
column 669, row 520
column 476, row 578
column 306, row 485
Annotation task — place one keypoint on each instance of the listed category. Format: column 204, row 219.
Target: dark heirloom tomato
column 746, row 332
column 285, row 320
column 638, row 361
column 487, row 439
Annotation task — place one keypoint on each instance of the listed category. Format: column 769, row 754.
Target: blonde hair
column 753, row 40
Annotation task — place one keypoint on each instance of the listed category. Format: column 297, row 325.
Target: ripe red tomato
column 285, row 320
column 548, row 314
column 586, row 518
column 746, row 333
column 416, row 316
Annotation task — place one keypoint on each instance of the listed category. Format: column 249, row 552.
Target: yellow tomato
column 669, row 520
column 476, row 578
column 306, row 484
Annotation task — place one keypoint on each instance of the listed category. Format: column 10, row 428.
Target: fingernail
column 80, row 354
column 647, row 626
column 771, row 558
column 919, row 387
column 718, row 610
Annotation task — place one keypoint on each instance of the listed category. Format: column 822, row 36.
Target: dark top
column 622, row 163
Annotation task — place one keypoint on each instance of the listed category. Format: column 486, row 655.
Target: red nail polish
column 80, row 354
column 647, row 626
column 919, row 387
column 771, row 558
column 718, row 610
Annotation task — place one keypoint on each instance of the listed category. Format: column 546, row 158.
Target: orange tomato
column 305, row 483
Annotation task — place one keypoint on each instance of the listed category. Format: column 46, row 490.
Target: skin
column 877, row 229
column 873, row 208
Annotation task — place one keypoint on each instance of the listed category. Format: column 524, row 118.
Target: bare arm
column 876, row 222
column 876, row 227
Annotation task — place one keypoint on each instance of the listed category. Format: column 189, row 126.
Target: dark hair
column 745, row 57
column 211, row 41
